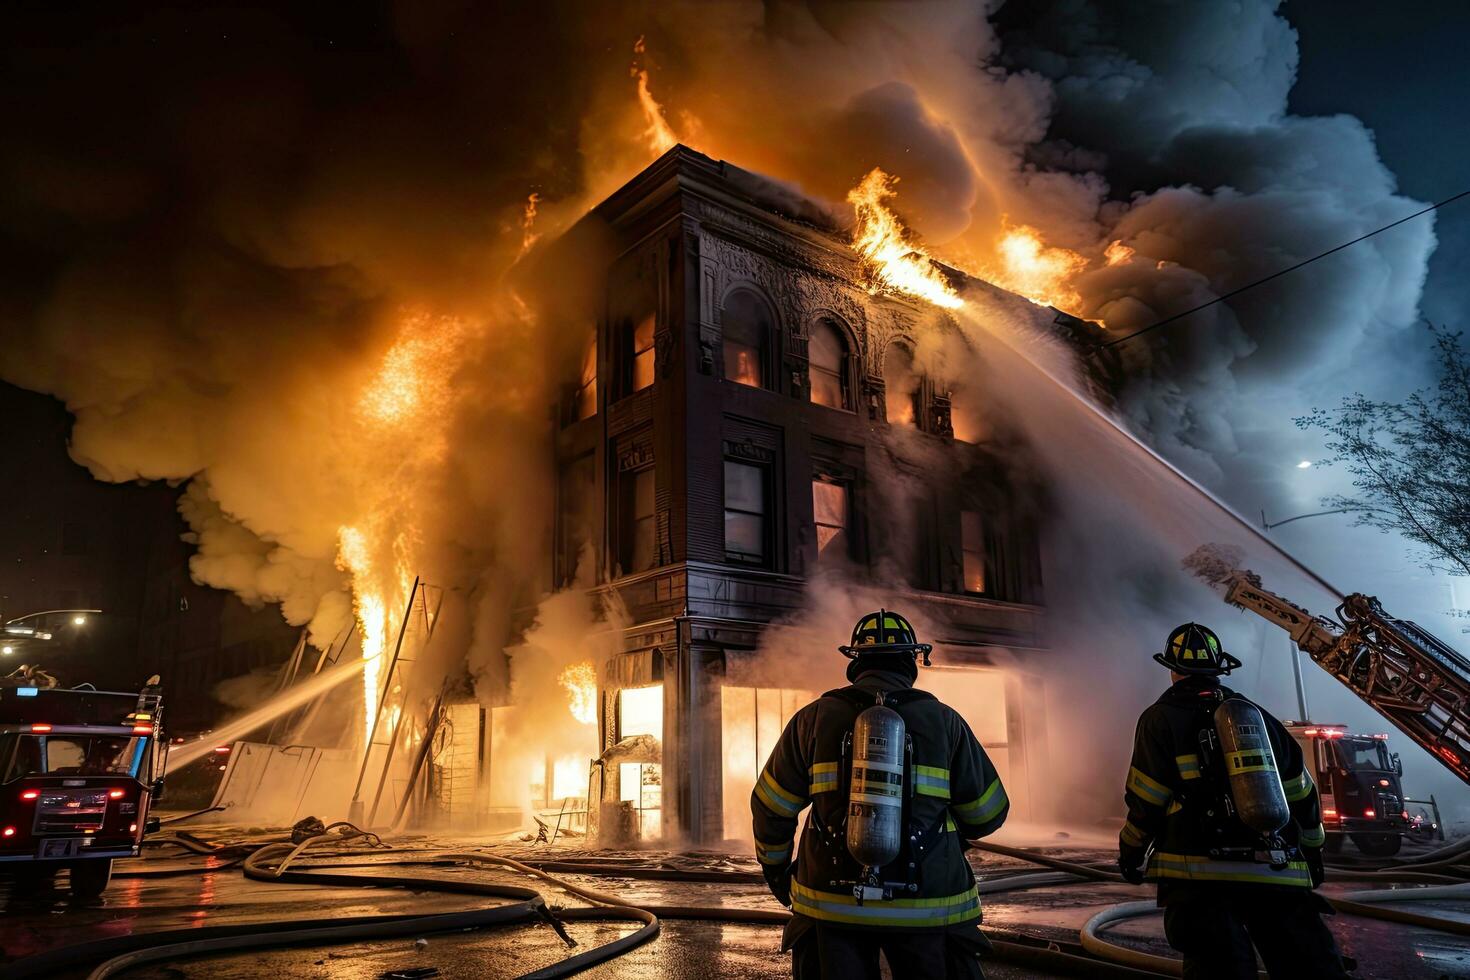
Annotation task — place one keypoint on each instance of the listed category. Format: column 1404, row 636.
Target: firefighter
column 1223, row 886
column 922, row 909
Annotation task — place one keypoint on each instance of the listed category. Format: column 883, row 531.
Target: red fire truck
column 79, row 768
column 1358, row 781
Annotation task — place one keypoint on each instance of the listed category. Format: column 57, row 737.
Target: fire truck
column 79, row 769
column 1358, row 781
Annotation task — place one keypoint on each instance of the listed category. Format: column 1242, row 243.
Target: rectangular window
column 746, row 512
column 575, row 500
column 585, row 401
column 637, row 540
column 641, row 354
column 830, row 511
column 743, row 363
column 972, row 544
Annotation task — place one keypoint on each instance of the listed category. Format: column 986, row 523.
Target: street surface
column 165, row 891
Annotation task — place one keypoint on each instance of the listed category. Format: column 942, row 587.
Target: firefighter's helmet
column 1195, row 649
column 885, row 632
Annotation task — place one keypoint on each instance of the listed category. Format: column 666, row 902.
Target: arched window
column 901, row 384
column 746, row 326
column 828, row 359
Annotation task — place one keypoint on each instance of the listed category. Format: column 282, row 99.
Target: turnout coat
column 956, row 796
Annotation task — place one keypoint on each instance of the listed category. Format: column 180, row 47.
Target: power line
column 1276, row 275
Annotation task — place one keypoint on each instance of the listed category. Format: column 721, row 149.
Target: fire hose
column 528, row 906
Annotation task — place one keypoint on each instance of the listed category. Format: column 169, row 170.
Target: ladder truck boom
column 1398, row 668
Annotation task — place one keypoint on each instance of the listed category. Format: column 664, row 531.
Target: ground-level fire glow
column 580, row 681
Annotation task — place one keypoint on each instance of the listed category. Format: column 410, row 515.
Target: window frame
column 767, row 516
column 632, row 353
column 849, row 510
column 767, row 353
column 983, row 550
column 847, row 382
column 920, row 394
column 583, row 383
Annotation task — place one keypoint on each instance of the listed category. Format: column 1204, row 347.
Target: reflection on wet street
column 170, row 890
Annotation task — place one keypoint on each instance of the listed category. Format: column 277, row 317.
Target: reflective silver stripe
column 1197, row 868
column 990, row 803
column 1148, row 788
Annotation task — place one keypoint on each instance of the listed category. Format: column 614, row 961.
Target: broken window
column 745, row 325
column 830, row 512
column 640, row 354
column 747, row 517
column 901, row 384
column 973, row 549
column 828, row 356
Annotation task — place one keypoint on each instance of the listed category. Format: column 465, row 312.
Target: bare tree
column 1410, row 460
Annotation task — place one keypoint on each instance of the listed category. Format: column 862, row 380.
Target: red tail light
column 115, row 794
column 142, row 730
column 30, row 794
column 40, row 728
column 1329, row 812
column 1369, row 813
column 8, row 831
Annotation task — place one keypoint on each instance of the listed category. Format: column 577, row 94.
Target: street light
column 1296, row 659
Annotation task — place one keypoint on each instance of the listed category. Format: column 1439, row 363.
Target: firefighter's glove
column 1132, row 873
column 778, row 880
column 1313, row 857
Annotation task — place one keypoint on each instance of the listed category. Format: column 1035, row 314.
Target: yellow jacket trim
column 912, row 913
column 1299, row 787
column 1148, row 788
column 777, row 854
column 1315, row 837
column 1188, row 766
column 981, row 810
column 1132, row 835
column 931, row 781
column 780, row 801
column 1191, row 867
column 823, row 778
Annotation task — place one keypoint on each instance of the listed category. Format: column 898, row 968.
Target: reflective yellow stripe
column 1174, row 807
column 1298, row 788
column 778, row 800
column 1197, row 868
column 984, row 809
column 914, row 913
column 779, row 854
column 1145, row 786
column 1188, row 766
column 1132, row 835
column 823, row 778
column 931, row 781
column 1315, row 837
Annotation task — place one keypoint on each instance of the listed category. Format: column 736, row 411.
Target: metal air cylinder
column 875, row 800
column 1250, row 765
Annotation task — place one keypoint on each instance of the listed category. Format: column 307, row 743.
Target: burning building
column 751, row 433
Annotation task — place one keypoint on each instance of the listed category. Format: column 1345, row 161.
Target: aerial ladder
column 1398, row 668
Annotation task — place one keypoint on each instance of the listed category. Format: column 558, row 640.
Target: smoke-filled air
column 318, row 305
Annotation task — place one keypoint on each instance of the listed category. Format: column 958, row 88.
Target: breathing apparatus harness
column 1237, row 801
column 876, row 771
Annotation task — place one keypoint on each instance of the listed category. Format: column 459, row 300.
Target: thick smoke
column 273, row 263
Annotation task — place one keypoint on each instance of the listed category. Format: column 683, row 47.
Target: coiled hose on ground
column 272, row 861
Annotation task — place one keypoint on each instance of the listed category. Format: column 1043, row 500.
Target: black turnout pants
column 1215, row 927
column 828, row 952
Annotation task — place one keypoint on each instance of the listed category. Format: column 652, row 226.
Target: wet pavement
column 148, row 896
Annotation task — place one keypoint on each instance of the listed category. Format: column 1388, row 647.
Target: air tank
column 875, row 799
column 1250, row 765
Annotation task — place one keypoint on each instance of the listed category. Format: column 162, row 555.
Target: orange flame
column 1026, row 265
column 580, row 682
column 658, row 134
column 1117, row 253
column 529, row 234
column 889, row 258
